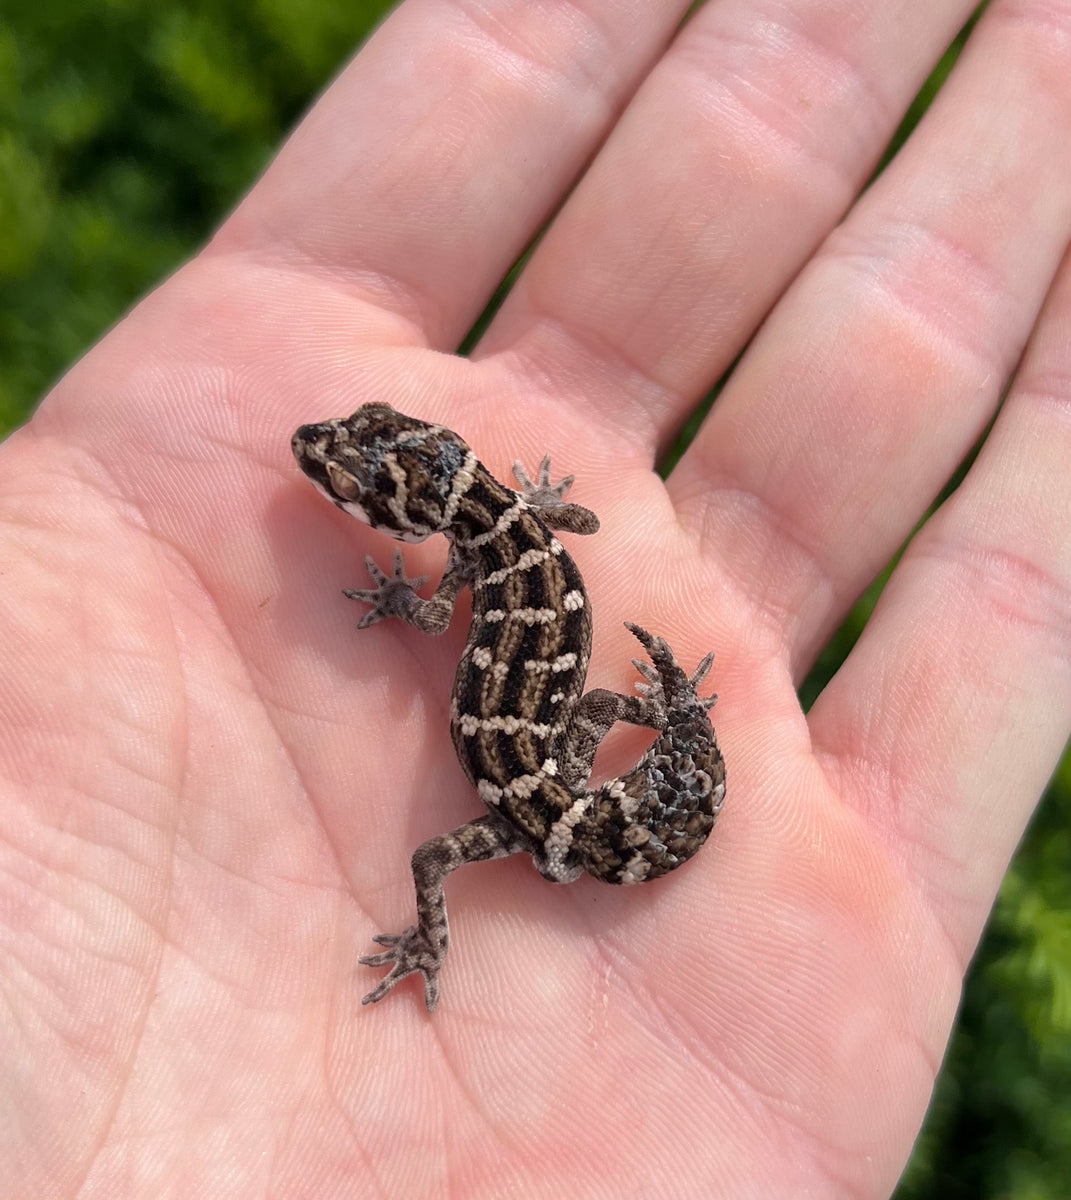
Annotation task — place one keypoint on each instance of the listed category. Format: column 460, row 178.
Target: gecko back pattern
column 525, row 731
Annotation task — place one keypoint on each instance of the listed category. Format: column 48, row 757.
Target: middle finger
column 741, row 150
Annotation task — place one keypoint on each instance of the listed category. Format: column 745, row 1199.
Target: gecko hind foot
column 653, row 693
column 665, row 682
column 409, row 952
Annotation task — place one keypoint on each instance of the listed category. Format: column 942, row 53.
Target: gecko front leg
column 549, row 500
column 395, row 595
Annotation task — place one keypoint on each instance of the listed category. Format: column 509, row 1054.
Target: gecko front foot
column 394, row 595
column 409, row 952
column 549, row 498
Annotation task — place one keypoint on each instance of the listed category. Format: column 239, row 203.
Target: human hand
column 212, row 782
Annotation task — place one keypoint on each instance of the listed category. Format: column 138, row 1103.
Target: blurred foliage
column 1000, row 1123
column 127, row 130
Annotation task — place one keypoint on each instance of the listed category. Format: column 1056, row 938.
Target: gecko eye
column 345, row 486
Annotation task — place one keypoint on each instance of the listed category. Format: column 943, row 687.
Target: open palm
column 212, row 782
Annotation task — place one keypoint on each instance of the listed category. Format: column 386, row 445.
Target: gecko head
column 402, row 476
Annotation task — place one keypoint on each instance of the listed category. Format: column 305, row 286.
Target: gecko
column 524, row 729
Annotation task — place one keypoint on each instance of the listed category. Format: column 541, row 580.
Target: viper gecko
column 524, row 729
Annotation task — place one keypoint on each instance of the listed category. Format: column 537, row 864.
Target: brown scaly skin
column 525, row 732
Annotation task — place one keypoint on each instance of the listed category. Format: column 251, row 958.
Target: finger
column 969, row 655
column 886, row 360
column 424, row 171
column 741, row 150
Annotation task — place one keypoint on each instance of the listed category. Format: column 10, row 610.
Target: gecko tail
column 656, row 816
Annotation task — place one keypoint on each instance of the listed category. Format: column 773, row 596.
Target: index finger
column 424, row 171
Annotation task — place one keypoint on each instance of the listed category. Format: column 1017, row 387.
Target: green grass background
column 128, row 128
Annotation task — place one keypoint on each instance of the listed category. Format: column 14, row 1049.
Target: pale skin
column 211, row 781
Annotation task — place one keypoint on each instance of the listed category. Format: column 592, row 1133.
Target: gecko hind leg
column 596, row 713
column 598, row 710
column 422, row 947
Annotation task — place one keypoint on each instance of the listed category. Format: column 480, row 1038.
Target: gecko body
column 525, row 731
